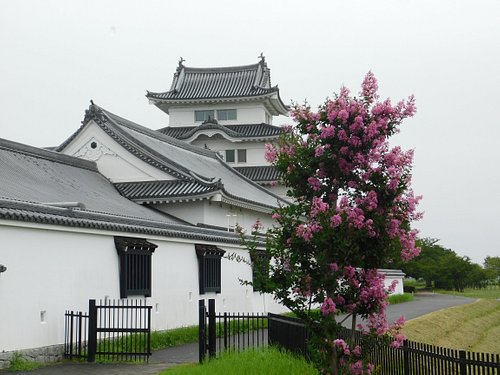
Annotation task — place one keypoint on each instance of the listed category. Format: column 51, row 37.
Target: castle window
column 226, row 114
column 236, row 156
column 242, row 156
column 135, row 266
column 209, row 267
column 230, row 157
column 203, row 115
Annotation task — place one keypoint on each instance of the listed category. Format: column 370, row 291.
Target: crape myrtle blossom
column 351, row 213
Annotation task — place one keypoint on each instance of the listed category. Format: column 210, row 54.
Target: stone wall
column 42, row 355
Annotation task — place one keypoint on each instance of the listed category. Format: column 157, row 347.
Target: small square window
column 226, row 114
column 242, row 156
column 203, row 115
column 230, row 156
column 135, row 266
column 209, row 267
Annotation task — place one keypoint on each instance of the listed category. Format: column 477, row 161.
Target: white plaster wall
column 215, row 213
column 114, row 162
column 59, row 270
column 50, row 271
column 247, row 113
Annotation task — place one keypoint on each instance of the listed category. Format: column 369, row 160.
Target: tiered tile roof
column 217, row 84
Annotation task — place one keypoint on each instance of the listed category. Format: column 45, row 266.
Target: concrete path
column 424, row 303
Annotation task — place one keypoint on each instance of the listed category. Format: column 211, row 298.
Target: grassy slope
column 492, row 292
column 269, row 361
column 474, row 327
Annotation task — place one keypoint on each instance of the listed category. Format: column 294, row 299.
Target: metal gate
column 112, row 330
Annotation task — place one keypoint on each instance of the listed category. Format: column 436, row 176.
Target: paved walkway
column 162, row 359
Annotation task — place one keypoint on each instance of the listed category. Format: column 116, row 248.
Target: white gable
column 112, row 160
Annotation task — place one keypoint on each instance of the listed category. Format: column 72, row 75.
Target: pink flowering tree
column 351, row 214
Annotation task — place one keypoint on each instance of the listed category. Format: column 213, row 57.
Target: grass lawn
column 492, row 292
column 474, row 327
column 269, row 361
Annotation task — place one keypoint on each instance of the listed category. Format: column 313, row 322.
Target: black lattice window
column 135, row 266
column 209, row 267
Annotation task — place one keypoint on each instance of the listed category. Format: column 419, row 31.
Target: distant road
column 424, row 303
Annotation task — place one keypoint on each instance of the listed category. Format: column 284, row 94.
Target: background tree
column 443, row 268
column 492, row 268
column 351, row 213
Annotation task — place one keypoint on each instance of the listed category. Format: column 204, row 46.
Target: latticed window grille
column 209, row 267
column 135, row 266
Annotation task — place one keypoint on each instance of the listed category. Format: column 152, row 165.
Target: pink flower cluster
column 306, row 231
column 271, row 153
column 328, row 307
column 351, row 359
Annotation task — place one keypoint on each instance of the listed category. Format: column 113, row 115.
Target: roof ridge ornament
column 262, row 58
column 180, row 66
column 93, row 113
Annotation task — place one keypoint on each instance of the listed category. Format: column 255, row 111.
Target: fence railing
column 289, row 333
column 112, row 330
column 75, row 334
column 226, row 331
column 411, row 358
column 229, row 331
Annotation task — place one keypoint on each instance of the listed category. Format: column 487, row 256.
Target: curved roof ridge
column 233, row 68
column 256, row 130
column 160, row 136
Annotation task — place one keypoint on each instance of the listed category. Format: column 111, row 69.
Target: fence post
column 463, row 367
column 211, row 328
column 71, row 337
column 202, row 334
column 406, row 358
column 92, row 339
column 225, row 331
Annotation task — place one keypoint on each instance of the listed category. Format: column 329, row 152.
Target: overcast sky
column 57, row 55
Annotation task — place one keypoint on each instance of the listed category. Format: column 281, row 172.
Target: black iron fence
column 411, row 358
column 289, row 333
column 112, row 330
column 75, row 334
column 226, row 331
column 229, row 331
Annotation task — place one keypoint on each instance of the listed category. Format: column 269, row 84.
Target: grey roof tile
column 216, row 84
column 37, row 213
column 265, row 173
column 165, row 190
column 30, row 174
column 246, row 131
column 31, row 177
column 211, row 83
column 179, row 159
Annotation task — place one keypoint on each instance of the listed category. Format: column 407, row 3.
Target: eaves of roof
column 260, row 174
column 42, row 214
column 196, row 85
column 241, row 131
column 163, row 191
